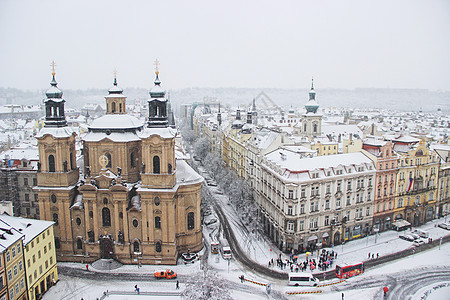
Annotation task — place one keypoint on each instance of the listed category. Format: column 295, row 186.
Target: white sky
column 261, row 44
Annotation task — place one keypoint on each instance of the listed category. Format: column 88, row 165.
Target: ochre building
column 135, row 202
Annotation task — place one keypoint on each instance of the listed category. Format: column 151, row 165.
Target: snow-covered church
column 136, row 202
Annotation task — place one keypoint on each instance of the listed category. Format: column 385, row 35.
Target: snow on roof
column 341, row 129
column 116, row 121
column 113, row 136
column 164, row 132
column 28, row 228
column 187, row 175
column 8, row 235
column 374, row 142
column 78, row 201
column 57, row 132
column 294, row 163
column 407, row 139
column 31, row 153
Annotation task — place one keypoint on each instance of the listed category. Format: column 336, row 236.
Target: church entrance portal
column 106, row 247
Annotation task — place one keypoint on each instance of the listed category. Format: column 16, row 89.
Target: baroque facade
column 136, row 202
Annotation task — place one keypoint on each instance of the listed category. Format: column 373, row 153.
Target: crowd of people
column 323, row 261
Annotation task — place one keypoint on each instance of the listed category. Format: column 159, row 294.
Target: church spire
column 312, row 93
column 54, row 104
column 157, row 104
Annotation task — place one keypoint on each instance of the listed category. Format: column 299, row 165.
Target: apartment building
column 417, row 181
column 11, row 247
column 39, row 254
column 386, row 164
column 322, row 200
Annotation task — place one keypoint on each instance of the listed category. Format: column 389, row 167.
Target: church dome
column 311, row 106
column 53, row 92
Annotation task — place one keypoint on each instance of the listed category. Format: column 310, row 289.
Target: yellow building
column 12, row 254
column 3, row 288
column 417, row 181
column 325, row 148
column 39, row 253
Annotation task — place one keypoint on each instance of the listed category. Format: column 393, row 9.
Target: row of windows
column 37, row 239
column 106, row 219
column 41, row 270
column 25, row 181
column 13, row 252
column 313, row 222
column 16, row 290
column 51, row 163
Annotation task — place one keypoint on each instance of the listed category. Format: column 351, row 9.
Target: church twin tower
column 136, row 202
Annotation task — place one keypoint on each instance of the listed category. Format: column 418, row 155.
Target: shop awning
column 401, row 223
column 312, row 238
column 325, row 235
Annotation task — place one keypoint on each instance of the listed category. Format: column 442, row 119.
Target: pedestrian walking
column 87, row 267
column 342, row 296
column 178, row 285
column 373, row 255
column 378, row 255
column 138, row 291
column 324, row 276
column 368, row 257
column 135, row 288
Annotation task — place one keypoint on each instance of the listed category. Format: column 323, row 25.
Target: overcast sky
column 259, row 44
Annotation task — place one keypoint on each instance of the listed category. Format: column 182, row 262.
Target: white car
column 418, row 243
column 444, row 226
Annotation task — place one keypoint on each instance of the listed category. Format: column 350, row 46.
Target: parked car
column 169, row 274
column 226, row 252
column 407, row 237
column 444, row 226
column 415, row 236
column 418, row 243
column 421, row 233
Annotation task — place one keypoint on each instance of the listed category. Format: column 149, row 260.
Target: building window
column 25, row 181
column 291, row 194
column 15, row 270
column 156, row 200
column 338, row 203
column 9, row 275
column 169, row 168
column 79, row 244
column 51, row 163
column 78, row 221
column 156, row 167
column 303, row 192
column 20, row 266
column 136, row 246
column 13, row 251
column 158, row 247
column 327, row 221
column 106, row 217
column 290, row 226
column 301, row 226
column 289, row 210
column 53, row 198
column 135, row 223
column 190, row 220
column 91, row 236
column 55, row 218
column 302, row 208
column 157, row 222
column 108, row 156
column 327, row 204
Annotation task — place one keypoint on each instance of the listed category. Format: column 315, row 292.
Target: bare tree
column 210, row 286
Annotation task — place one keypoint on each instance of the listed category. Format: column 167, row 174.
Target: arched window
column 78, row 221
column 315, row 127
column 304, row 127
column 120, row 107
column 108, row 155
column 79, row 244
column 157, row 222
column 51, row 163
column 57, row 243
column 55, row 218
column 169, row 169
column 106, row 217
column 53, row 197
column 136, row 246
column 158, row 246
column 132, row 160
column 156, row 168
column 190, row 220
column 113, row 107
column 105, row 201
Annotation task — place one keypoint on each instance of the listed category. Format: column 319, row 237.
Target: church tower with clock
column 136, row 203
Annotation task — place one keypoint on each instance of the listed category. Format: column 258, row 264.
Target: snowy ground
column 261, row 251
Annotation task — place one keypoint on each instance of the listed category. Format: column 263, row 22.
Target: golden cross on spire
column 53, row 64
column 156, row 63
